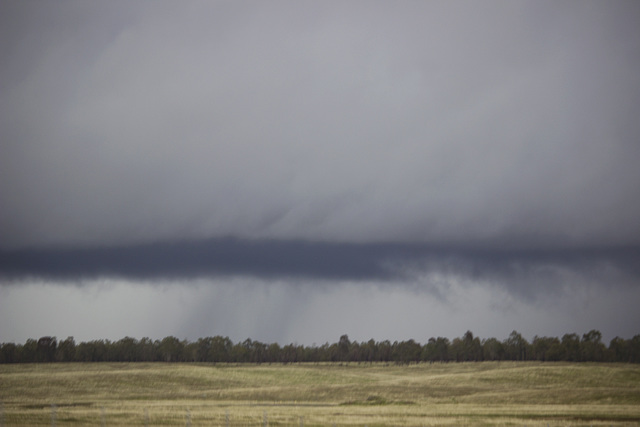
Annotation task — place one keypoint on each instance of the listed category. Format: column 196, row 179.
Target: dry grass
column 325, row 394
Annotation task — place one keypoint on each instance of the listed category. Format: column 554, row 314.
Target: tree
column 556, row 351
column 634, row 349
column 369, row 351
column 571, row 345
column 171, row 349
column 493, row 349
column 9, row 353
column 516, row 346
column 273, row 353
column 591, row 346
column 384, row 351
column 46, row 349
column 472, row 348
column 456, row 350
column 66, row 350
column 291, row 353
column 545, row 348
column 148, row 350
column 220, row 350
column 344, row 346
column 619, row 350
column 29, row 351
column 125, row 350
column 240, row 352
column 259, row 352
column 436, row 349
column 406, row 352
column 189, row 351
column 355, row 352
column 203, row 346
column 92, row 351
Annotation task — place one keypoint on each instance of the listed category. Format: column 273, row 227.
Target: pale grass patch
column 322, row 394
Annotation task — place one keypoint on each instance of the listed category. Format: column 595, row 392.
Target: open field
column 486, row 393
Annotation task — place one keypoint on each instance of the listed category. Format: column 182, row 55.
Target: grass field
column 487, row 393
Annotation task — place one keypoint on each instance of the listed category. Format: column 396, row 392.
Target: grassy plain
column 487, row 393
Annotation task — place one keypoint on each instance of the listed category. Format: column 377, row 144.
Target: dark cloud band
column 273, row 259
column 218, row 257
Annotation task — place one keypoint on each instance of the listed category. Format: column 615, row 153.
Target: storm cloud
column 342, row 121
column 298, row 260
column 404, row 144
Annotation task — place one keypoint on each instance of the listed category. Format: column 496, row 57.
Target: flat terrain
column 487, row 393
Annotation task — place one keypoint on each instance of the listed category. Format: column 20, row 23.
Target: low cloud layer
column 524, row 273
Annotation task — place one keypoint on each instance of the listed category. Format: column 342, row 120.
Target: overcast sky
column 293, row 171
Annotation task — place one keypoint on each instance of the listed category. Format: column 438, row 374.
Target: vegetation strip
column 571, row 348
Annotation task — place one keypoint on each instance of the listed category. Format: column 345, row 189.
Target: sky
column 292, row 171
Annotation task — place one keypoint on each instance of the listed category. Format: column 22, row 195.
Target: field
column 487, row 393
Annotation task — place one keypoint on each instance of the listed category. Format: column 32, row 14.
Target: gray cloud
column 412, row 145
column 285, row 311
column 349, row 122
column 524, row 273
column 226, row 257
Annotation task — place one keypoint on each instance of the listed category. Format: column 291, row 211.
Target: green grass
column 488, row 393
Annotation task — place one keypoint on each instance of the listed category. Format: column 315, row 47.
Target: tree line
column 218, row 349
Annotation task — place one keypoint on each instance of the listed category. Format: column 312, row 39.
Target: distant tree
column 221, row 349
column 148, row 350
column 171, row 349
column 384, row 351
column 369, row 351
column 456, row 350
column 9, row 353
column 125, row 350
column 472, row 348
column 46, row 350
column 311, row 354
column 406, row 352
column 493, row 349
column 429, row 350
column 545, row 348
column 634, row 349
column 240, row 352
column 273, row 353
column 29, row 351
column 324, row 353
column 290, row 354
column 571, row 346
column 467, row 347
column 66, row 351
column 344, row 345
column 619, row 350
column 516, row 346
column 84, row 352
column 591, row 346
column 189, row 351
column 355, row 352
column 203, row 346
column 259, row 352
column 436, row 349
column 556, row 351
